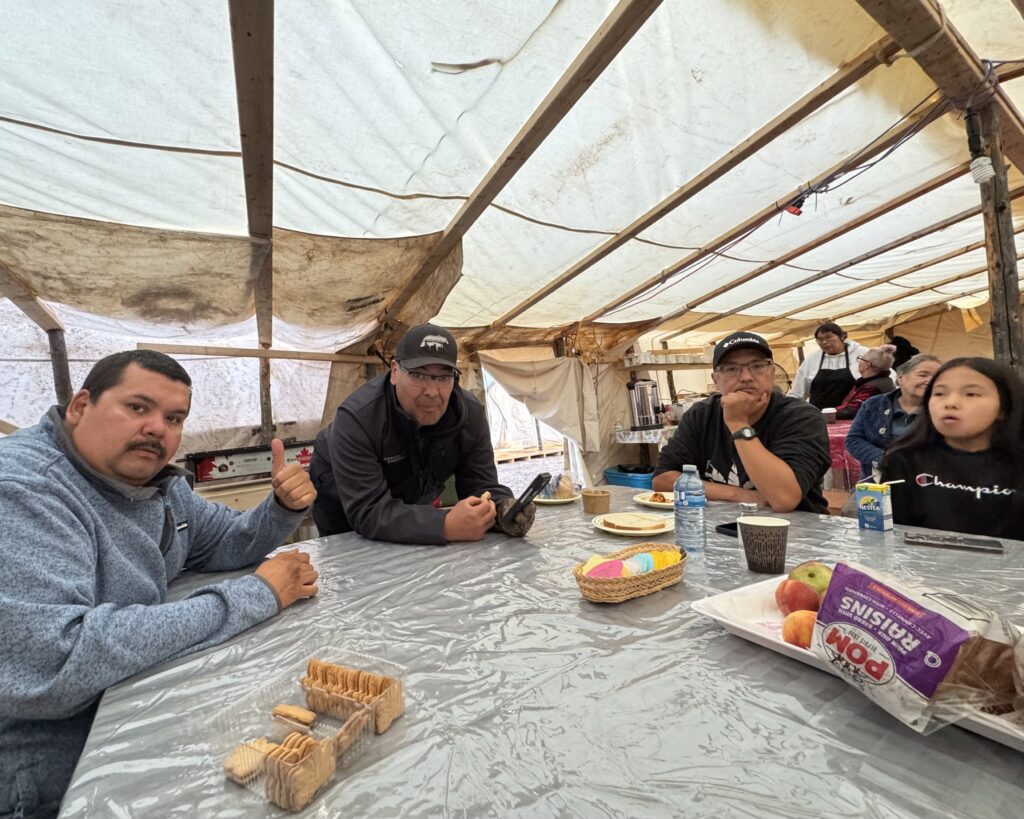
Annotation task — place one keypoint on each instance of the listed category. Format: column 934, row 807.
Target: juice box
column 874, row 506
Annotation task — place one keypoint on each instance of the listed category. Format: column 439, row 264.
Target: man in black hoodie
column 380, row 466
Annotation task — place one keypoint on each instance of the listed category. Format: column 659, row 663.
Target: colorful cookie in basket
column 382, row 693
column 629, row 573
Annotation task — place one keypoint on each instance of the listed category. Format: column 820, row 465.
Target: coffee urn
column 644, row 406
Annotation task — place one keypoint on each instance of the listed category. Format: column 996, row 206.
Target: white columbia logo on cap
column 435, row 342
column 742, row 340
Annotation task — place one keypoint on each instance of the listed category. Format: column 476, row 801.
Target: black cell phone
column 532, row 491
column 730, row 529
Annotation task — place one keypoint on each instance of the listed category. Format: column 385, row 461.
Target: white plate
column 555, row 501
column 644, row 499
column 750, row 612
column 668, row 525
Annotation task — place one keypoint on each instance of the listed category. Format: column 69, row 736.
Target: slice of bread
column 633, row 522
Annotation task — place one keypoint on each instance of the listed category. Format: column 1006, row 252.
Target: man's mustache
column 152, row 446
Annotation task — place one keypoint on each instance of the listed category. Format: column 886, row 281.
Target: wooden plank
column 770, row 212
column 21, row 295
column 239, row 352
column 7, row 428
column 618, row 28
column 61, row 370
column 868, row 284
column 859, row 259
column 1004, row 291
column 252, row 47
column 921, row 27
column 842, row 79
column 924, row 288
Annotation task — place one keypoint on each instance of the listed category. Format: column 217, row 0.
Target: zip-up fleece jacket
column 378, row 473
column 84, row 566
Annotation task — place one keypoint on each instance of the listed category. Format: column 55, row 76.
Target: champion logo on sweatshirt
column 926, row 479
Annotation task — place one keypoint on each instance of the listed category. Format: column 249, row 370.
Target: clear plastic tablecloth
column 524, row 699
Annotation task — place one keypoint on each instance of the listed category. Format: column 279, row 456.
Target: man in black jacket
column 380, row 466
column 749, row 442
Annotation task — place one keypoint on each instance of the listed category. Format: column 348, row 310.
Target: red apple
column 798, row 627
column 795, row 595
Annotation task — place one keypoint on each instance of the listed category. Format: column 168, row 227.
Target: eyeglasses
column 423, row 379
column 755, row 368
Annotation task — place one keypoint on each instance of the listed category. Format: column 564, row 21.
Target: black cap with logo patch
column 427, row 344
column 739, row 341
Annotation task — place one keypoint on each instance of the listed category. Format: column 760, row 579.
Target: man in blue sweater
column 94, row 524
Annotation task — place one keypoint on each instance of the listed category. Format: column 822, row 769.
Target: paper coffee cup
column 764, row 543
column 596, row 501
column 829, row 414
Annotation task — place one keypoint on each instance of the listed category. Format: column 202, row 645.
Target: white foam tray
column 750, row 612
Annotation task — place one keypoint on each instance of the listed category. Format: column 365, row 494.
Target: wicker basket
column 618, row 589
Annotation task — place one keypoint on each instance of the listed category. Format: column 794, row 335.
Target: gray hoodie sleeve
column 223, row 539
column 60, row 646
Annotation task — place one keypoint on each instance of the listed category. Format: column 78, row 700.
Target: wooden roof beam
column 18, row 291
column 252, row 46
column 766, row 214
column 863, row 257
column 923, row 289
column 850, row 73
column 614, row 33
column 923, row 30
column 869, row 283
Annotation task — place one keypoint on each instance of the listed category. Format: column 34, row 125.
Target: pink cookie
column 610, row 568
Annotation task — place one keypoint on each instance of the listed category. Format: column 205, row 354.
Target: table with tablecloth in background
column 524, row 699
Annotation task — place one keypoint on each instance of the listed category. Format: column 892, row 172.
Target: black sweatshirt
column 791, row 429
column 978, row 493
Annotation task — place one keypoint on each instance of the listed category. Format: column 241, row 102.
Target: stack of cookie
column 326, row 681
column 294, row 769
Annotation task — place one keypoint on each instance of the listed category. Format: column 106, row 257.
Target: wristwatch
column 744, row 434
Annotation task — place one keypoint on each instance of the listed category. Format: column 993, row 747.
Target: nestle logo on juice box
column 870, row 503
column 857, row 653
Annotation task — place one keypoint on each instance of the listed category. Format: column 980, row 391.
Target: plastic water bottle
column 689, row 501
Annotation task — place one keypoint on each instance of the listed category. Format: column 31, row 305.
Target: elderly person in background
column 884, row 418
column 875, row 368
column 826, row 376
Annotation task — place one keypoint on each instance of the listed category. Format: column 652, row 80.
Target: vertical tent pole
column 1004, row 290
column 61, row 370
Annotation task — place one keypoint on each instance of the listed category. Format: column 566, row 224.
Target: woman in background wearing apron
column 827, row 386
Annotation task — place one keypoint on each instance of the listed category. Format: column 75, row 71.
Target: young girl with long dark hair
column 962, row 463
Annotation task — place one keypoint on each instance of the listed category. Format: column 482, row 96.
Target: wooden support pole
column 247, row 352
column 1004, row 290
column 61, row 370
column 670, row 378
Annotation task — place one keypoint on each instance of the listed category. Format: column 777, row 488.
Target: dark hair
column 830, row 327
column 107, row 372
column 904, row 350
column 1008, row 432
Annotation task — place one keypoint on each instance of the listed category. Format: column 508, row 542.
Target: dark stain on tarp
column 173, row 305
column 361, row 303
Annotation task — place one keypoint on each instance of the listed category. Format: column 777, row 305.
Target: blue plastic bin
column 640, row 480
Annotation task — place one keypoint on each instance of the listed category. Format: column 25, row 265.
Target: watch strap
column 744, row 434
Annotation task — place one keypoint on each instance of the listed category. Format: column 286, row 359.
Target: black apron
column 830, row 387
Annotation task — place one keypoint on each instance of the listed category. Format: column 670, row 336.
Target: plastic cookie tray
column 750, row 612
column 288, row 759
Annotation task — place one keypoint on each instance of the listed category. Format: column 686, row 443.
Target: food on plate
column 796, row 595
column 633, row 522
column 565, row 488
column 245, row 762
column 798, row 627
column 657, row 497
column 294, row 713
column 814, row 574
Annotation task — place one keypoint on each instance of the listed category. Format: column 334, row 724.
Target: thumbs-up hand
column 292, row 486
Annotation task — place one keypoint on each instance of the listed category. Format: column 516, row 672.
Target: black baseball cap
column 427, row 344
column 739, row 341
